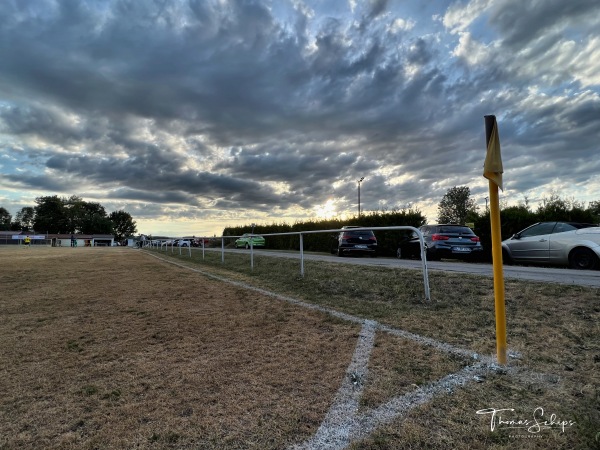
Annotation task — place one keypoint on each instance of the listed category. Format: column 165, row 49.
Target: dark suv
column 355, row 241
column 442, row 241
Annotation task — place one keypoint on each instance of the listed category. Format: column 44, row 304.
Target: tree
column 87, row 217
column 123, row 224
column 557, row 208
column 594, row 209
column 456, row 205
column 25, row 218
column 5, row 219
column 515, row 218
column 51, row 216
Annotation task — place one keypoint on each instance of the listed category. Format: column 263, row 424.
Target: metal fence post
column 424, row 263
column 301, row 255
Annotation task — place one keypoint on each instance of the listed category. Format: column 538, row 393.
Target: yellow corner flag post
column 492, row 170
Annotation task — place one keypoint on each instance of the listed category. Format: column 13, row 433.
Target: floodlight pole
column 359, row 181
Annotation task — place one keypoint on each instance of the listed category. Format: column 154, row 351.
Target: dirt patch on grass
column 108, row 348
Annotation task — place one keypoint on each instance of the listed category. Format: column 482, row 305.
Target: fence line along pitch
column 301, row 234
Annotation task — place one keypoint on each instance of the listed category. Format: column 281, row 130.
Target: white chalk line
column 342, row 424
column 336, row 428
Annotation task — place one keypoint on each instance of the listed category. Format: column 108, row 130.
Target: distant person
column 27, row 241
column 73, row 241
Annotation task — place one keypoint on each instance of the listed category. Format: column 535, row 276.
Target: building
column 57, row 240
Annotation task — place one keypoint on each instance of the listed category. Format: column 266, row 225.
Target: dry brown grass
column 107, row 348
column 553, row 329
column 399, row 366
column 111, row 348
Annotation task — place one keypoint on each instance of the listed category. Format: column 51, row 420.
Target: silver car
column 572, row 244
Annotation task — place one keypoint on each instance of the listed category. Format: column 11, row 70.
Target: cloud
column 523, row 22
column 460, row 15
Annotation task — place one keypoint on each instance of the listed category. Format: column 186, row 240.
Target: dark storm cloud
column 288, row 164
column 171, row 181
column 214, row 73
column 44, row 182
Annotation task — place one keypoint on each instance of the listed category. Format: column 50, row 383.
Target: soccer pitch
column 120, row 348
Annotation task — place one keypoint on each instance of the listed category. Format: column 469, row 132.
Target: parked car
column 244, row 241
column 198, row 242
column 572, row 244
column 442, row 241
column 350, row 241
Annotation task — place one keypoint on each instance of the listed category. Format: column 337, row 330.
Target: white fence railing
column 165, row 244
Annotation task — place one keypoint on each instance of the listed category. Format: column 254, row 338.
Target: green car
column 244, row 241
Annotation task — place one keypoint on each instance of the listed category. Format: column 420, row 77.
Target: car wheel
column 247, row 246
column 583, row 259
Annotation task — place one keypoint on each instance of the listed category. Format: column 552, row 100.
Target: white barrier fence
column 159, row 245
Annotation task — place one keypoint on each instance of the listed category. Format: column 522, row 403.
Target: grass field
column 120, row 348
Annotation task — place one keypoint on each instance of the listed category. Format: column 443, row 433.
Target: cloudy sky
column 197, row 114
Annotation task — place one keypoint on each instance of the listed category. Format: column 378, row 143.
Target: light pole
column 359, row 181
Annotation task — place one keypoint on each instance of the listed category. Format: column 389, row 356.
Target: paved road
column 544, row 274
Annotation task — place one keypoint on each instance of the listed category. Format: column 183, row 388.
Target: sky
column 194, row 115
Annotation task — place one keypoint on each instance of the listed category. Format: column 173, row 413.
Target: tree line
column 457, row 206
column 72, row 215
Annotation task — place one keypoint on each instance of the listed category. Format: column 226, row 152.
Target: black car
column 442, row 241
column 351, row 241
